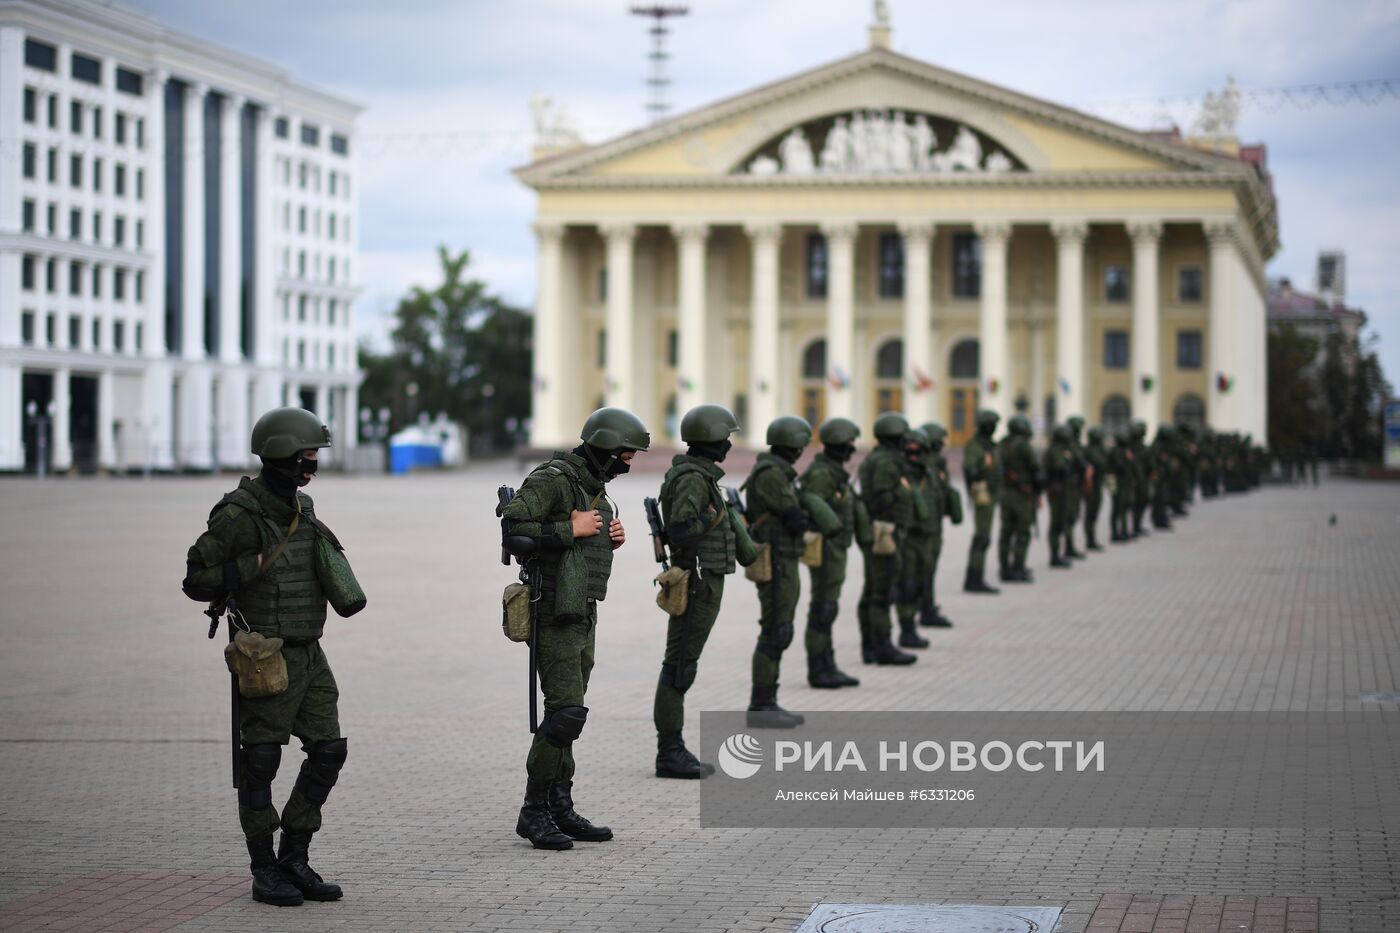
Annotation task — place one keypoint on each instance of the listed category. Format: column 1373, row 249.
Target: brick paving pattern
column 1182, row 913
column 113, row 717
column 124, row 901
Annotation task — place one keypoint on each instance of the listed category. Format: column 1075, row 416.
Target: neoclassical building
column 881, row 233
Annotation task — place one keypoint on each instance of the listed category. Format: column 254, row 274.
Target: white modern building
column 177, row 244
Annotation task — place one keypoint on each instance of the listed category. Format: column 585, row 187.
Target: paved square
column 113, row 718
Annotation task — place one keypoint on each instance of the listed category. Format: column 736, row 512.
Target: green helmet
column 839, row 431
column 615, row 429
column 1061, row 434
column 1166, row 432
column 988, row 419
column 935, row 431
column 285, row 432
column 789, row 431
column 1019, row 424
column 1096, row 435
column 708, row 423
column 1075, row 423
column 1139, row 429
column 918, row 436
column 891, row 426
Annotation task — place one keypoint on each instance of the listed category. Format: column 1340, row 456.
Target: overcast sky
column 462, row 72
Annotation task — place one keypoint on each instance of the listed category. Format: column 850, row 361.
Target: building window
column 301, row 220
column 814, row 360
column 26, row 328
column 1188, row 349
column 140, row 233
column 301, row 307
column 340, row 146
column 97, row 281
column 140, row 133
column 40, row 55
column 673, row 349
column 75, row 171
column 310, row 134
column 1188, row 284
column 129, row 82
column 119, row 179
column 602, row 347
column 965, row 362
column 136, row 342
column 1189, row 409
column 118, row 230
column 96, row 122
column 96, row 333
column 26, row 273
column 301, row 176
column 97, row 226
column 96, row 174
column 301, row 352
column 817, row 265
column 53, row 111
column 31, row 159
column 140, row 287
column 120, row 129
column 31, row 105
column 280, row 127
column 891, row 265
column 1115, row 283
column 75, row 116
column 1115, row 349
column 301, row 264
column 119, row 336
column 889, row 359
column 51, row 219
column 967, row 265
column 140, row 184
column 75, row 224
column 75, row 278
column 1116, row 414
column 86, row 69
column 51, row 276
column 51, row 330
column 51, row 165
column 75, row 331
column 119, row 284
column 330, row 223
column 28, row 216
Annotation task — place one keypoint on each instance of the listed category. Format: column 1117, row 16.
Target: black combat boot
column 536, row 823
column 909, row 636
column 673, row 759
column 1070, row 551
column 561, row 807
column 765, row 713
column 291, row 858
column 975, row 583
column 1055, row 559
column 931, row 616
column 823, row 674
column 1023, row 574
column 1092, row 542
column 887, row 654
column 867, row 648
column 270, row 886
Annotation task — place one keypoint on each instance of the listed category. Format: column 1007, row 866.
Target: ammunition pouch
column 761, row 569
column 981, row 493
column 258, row 663
column 515, row 612
column 884, row 540
column 812, row 542
column 674, row 595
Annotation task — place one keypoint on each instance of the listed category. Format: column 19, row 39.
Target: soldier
column 260, row 551
column 1164, row 471
column 1120, row 488
column 1018, row 500
column 982, row 472
column 929, row 613
column 1096, row 459
column 1059, row 478
column 562, row 507
column 1208, row 465
column 1142, row 475
column 884, row 490
column 702, row 541
column 1077, row 488
column 916, row 553
column 827, row 479
column 776, row 519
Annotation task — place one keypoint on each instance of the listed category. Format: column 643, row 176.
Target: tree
column 459, row 350
column 1294, row 418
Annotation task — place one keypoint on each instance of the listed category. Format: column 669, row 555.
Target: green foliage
column 457, row 349
column 1294, row 417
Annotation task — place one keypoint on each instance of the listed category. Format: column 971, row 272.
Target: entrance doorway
column 889, row 367
column 963, row 370
column 814, row 383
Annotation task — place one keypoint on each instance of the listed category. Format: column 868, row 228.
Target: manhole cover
column 1383, row 697
column 928, row 918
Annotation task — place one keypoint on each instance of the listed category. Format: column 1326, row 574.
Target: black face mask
column 913, row 454
column 790, row 454
column 284, row 475
column 711, row 450
column 937, row 447
column 616, row 468
column 840, row 452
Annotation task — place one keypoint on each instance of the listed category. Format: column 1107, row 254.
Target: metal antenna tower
column 658, row 80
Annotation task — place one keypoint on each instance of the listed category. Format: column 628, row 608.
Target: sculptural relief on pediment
column 879, row 142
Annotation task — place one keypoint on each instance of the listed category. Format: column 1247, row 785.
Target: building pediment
column 876, row 115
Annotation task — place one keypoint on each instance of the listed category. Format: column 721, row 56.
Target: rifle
column 735, row 502
column 214, row 612
column 522, row 548
column 658, row 532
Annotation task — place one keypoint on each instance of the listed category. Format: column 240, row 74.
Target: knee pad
column 784, row 635
column 823, row 615
column 321, row 769
column 685, row 675
column 770, row 651
column 259, row 768
column 668, row 676
column 561, row 727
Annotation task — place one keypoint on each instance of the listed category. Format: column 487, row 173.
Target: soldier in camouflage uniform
column 562, row 508
column 930, row 614
column 1164, row 465
column 982, row 472
column 776, row 519
column 885, row 492
column 1018, row 500
column 827, row 479
column 1077, row 488
column 1096, row 460
column 702, row 541
column 1120, row 487
column 260, row 552
column 1059, row 478
column 916, row 563
column 1208, row 465
column 1142, row 475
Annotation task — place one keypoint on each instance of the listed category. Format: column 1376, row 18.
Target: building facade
column 880, row 233
column 177, row 243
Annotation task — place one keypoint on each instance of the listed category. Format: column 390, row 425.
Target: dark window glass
column 26, row 274
column 97, row 226
column 53, row 111
column 140, row 133
column 301, row 308
column 31, row 157
column 75, row 116
column 52, row 165
column 280, row 127
column 75, row 171
column 28, row 216
column 817, row 268
column 889, row 360
column 1116, row 414
column 119, row 231
column 96, row 174
column 966, row 360
column 119, row 284
column 51, row 276
column 1115, row 283
column 96, row 333
column 310, row 134
column 97, row 281
column 119, row 336
column 1115, row 349
column 119, row 180
column 967, row 265
column 96, row 122
column 141, row 234
column 31, row 105
column 75, row 223
column 26, row 328
column 673, row 347
column 120, row 129
column 75, row 278
column 87, row 69
column 814, row 360
column 51, row 330
column 40, row 55
column 339, row 145
column 75, row 331
column 139, row 335
column 1188, row 349
column 1189, row 409
column 129, row 81
column 891, row 265
column 51, row 219
column 603, row 284
column 1188, row 283
column 140, row 286
column 140, row 184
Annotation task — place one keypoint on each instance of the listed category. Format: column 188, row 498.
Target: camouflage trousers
column 685, row 639
column 1093, row 502
column 777, row 601
column 982, row 517
column 564, row 660
column 826, row 583
column 1017, row 516
column 918, row 565
column 878, row 595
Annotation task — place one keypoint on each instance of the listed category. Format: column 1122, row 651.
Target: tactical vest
column 285, row 600
column 715, row 550
column 927, row 484
column 596, row 549
column 975, row 466
column 766, row 525
column 900, row 508
column 842, row 503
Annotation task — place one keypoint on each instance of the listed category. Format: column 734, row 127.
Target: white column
column 1036, row 391
column 154, row 163
column 106, row 437
column 918, row 324
column 1220, row 344
column 1146, row 330
column 59, row 441
column 196, row 387
column 996, row 394
column 265, row 310
column 619, row 389
column 550, row 384
column 230, row 232
column 323, row 408
column 12, row 78
column 1071, row 389
column 350, row 420
column 764, row 371
column 840, row 320
column 11, row 417
column 694, row 386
